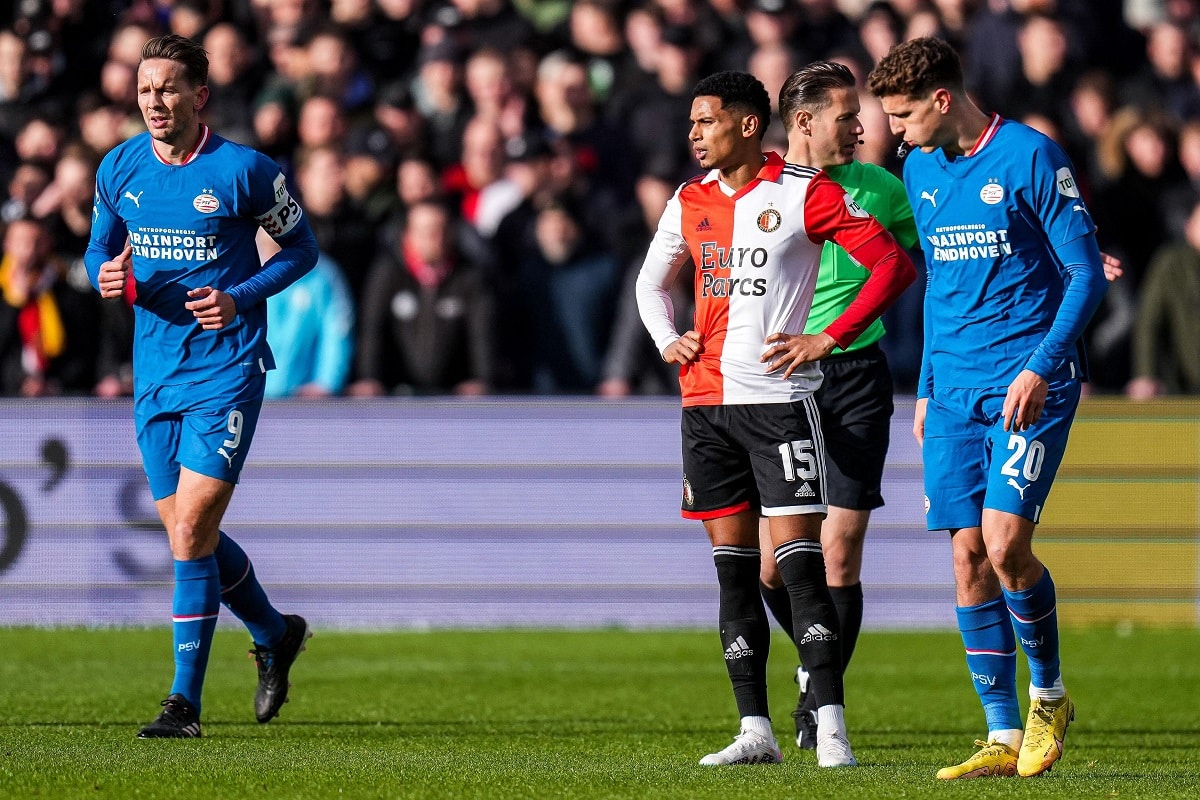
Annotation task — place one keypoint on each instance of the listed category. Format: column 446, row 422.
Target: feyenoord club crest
column 689, row 497
column 769, row 221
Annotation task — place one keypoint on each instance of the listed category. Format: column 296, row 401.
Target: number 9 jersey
column 192, row 225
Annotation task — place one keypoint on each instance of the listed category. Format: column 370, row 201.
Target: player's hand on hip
column 212, row 308
column 683, row 350
column 1112, row 267
column 1025, row 401
column 114, row 274
column 919, row 420
column 794, row 350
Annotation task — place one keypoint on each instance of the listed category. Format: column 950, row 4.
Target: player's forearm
column 925, row 381
column 891, row 273
column 1084, row 291
column 283, row 269
column 657, row 313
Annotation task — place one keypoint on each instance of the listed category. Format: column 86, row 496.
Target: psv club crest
column 769, row 220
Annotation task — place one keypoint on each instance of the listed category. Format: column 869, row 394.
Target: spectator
column 879, row 29
column 489, row 23
column 824, row 30
column 485, row 196
column 19, row 88
column 1166, row 338
column 1045, row 75
column 697, row 16
column 66, row 205
column 632, row 364
column 40, row 140
column 417, row 181
column 344, row 235
column 492, row 93
column 1165, row 83
column 594, row 27
column 1131, row 224
column 437, row 92
column 665, row 106
column 274, row 123
column 234, row 80
column 383, row 33
column 567, row 285
column 102, row 125
column 77, row 34
column 1091, row 106
column 310, row 327
column 1179, row 201
column 1129, row 214
column 603, row 172
column 321, row 123
column 426, row 321
column 334, row 71
column 47, row 326
column 27, row 182
column 398, row 119
column 768, row 23
column 114, row 357
column 636, row 68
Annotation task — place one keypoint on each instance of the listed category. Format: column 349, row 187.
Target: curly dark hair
column 916, row 68
column 181, row 50
column 738, row 91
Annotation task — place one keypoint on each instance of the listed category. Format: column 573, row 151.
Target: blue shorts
column 205, row 426
column 972, row 463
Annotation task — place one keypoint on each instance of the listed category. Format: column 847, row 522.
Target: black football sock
column 745, row 631
column 780, row 603
column 848, row 600
column 816, row 628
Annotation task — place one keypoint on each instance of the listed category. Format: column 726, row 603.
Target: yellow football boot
column 994, row 760
column 1045, row 730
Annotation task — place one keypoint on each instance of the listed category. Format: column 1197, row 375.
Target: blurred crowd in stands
column 483, row 176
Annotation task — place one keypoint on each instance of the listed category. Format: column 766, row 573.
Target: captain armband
column 283, row 217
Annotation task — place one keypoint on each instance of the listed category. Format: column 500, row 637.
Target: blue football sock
column 194, row 612
column 1035, row 617
column 244, row 595
column 987, row 635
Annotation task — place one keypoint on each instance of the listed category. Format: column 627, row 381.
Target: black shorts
column 768, row 458
column 856, row 406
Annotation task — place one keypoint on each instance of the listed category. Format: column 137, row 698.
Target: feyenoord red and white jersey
column 757, row 252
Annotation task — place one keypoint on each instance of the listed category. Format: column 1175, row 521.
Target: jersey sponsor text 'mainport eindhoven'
column 192, row 225
column 990, row 222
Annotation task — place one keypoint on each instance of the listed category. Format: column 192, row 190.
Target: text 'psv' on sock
column 1035, row 617
column 194, row 609
column 987, row 636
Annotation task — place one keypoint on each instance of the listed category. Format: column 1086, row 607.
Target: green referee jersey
column 882, row 194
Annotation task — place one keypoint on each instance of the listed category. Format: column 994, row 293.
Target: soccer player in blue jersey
column 177, row 210
column 1014, row 275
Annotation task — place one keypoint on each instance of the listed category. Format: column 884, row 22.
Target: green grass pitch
column 561, row 714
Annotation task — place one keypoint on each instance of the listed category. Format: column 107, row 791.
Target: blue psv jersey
column 193, row 225
column 990, row 223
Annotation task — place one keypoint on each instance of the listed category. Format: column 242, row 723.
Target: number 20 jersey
column 757, row 253
column 989, row 224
